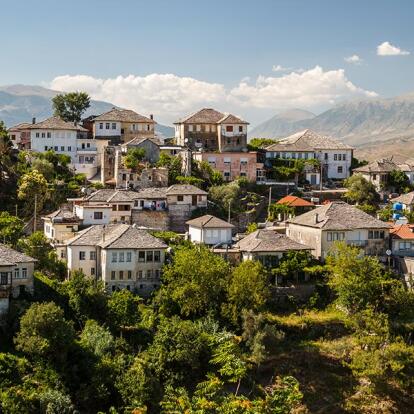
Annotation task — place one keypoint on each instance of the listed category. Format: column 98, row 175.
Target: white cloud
column 169, row 96
column 155, row 93
column 311, row 88
column 387, row 49
column 355, row 59
column 279, row 68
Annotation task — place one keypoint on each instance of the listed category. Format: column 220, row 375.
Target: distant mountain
column 20, row 103
column 281, row 124
column 359, row 123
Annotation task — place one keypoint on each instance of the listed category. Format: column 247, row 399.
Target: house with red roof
column 402, row 240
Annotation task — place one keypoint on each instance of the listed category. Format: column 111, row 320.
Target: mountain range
column 363, row 124
column 21, row 103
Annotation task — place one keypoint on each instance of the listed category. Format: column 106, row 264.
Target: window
column 139, row 274
column 69, row 149
column 62, row 254
column 92, row 271
column 243, row 174
column 336, row 235
column 113, row 275
column 37, row 135
column 375, row 234
column 113, row 288
column 101, row 125
column 190, row 128
column 340, row 169
column 128, row 288
column 82, row 255
column 49, row 135
column 114, row 257
column 229, row 128
column 157, row 273
column 56, row 148
column 24, row 273
column 343, row 157
column 150, row 256
column 121, row 256
column 128, row 256
column 43, row 135
column 148, row 127
column 180, row 198
column 335, row 157
column 92, row 255
column 141, row 256
column 62, row 149
column 326, row 155
column 45, row 147
column 240, row 128
column 17, row 273
column 157, row 256
column 121, row 275
column 198, row 128
column 404, row 245
column 4, row 280
column 149, row 274
column 97, row 215
column 129, row 274
column 113, row 125
column 107, row 125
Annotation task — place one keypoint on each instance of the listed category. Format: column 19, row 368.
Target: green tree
column 173, row 164
column 195, row 281
column 360, row 191
column 44, row 167
column 133, row 157
column 11, row 228
column 44, row 332
column 70, row 106
column 123, row 308
column 248, row 288
column 399, row 181
column 33, row 184
column 259, row 143
column 97, row 338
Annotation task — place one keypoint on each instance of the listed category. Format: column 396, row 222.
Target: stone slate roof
column 62, row 216
column 185, row 189
column 11, row 257
column 116, row 236
column 307, row 140
column 138, row 140
column 407, row 199
column 210, row 116
column 109, row 195
column 209, row 222
column 55, row 122
column 382, row 165
column 123, row 115
column 338, row 215
column 18, row 127
column 152, row 192
column 268, row 241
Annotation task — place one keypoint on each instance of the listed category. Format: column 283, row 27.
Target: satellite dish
column 388, row 252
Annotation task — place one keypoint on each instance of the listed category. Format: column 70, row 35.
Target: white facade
column 93, row 214
column 107, row 128
column 209, row 236
column 61, row 141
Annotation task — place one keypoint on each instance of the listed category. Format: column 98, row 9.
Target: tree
column 133, row 157
column 33, row 184
column 96, row 338
column 173, row 164
column 44, row 167
column 195, row 281
column 11, row 228
column 248, row 288
column 258, row 143
column 37, row 246
column 44, row 332
column 399, row 181
column 360, row 191
column 70, row 106
column 123, row 308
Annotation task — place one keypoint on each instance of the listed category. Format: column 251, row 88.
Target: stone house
column 20, row 135
column 151, row 146
column 16, row 275
column 212, row 130
column 339, row 221
column 334, row 156
column 122, row 256
column 61, row 225
column 122, row 125
column 209, row 230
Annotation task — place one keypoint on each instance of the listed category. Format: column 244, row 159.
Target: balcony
column 358, row 243
column 91, row 150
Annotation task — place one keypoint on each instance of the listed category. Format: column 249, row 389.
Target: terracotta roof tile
column 403, row 231
column 294, row 201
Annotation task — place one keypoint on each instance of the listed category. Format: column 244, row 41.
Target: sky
column 251, row 58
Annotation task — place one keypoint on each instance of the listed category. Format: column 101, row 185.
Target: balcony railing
column 359, row 243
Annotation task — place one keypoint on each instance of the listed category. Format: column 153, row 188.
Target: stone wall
column 179, row 214
column 156, row 220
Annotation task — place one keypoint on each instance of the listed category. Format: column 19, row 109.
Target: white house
column 66, row 138
column 339, row 221
column 122, row 256
column 16, row 275
column 334, row 156
column 209, row 230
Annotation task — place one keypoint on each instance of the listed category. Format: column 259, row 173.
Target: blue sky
column 213, row 43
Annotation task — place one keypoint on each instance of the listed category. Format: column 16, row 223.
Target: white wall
column 57, row 140
column 209, row 236
column 107, row 132
column 87, row 214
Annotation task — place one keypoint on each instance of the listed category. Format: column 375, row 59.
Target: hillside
column 358, row 123
column 20, row 103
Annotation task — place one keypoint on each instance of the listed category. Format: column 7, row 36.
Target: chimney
column 33, row 120
column 316, row 218
column 152, row 117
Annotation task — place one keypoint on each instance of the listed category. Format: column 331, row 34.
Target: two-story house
column 66, row 138
column 209, row 230
column 60, row 225
column 20, row 135
column 339, row 221
column 16, row 275
column 122, row 125
column 334, row 156
column 122, row 256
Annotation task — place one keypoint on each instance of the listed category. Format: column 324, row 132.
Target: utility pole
column 229, row 216
column 270, row 196
column 35, row 214
column 320, row 178
column 15, row 210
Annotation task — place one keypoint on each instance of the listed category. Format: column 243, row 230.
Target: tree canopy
column 70, row 106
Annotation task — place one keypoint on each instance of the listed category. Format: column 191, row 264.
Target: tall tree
column 70, row 106
column 33, row 185
column 360, row 191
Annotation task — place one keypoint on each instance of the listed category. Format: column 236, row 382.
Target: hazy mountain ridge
column 20, row 103
column 356, row 123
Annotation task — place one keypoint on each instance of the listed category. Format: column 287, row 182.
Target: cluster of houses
column 108, row 234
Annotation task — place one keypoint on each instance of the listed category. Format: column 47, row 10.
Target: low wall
column 155, row 220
